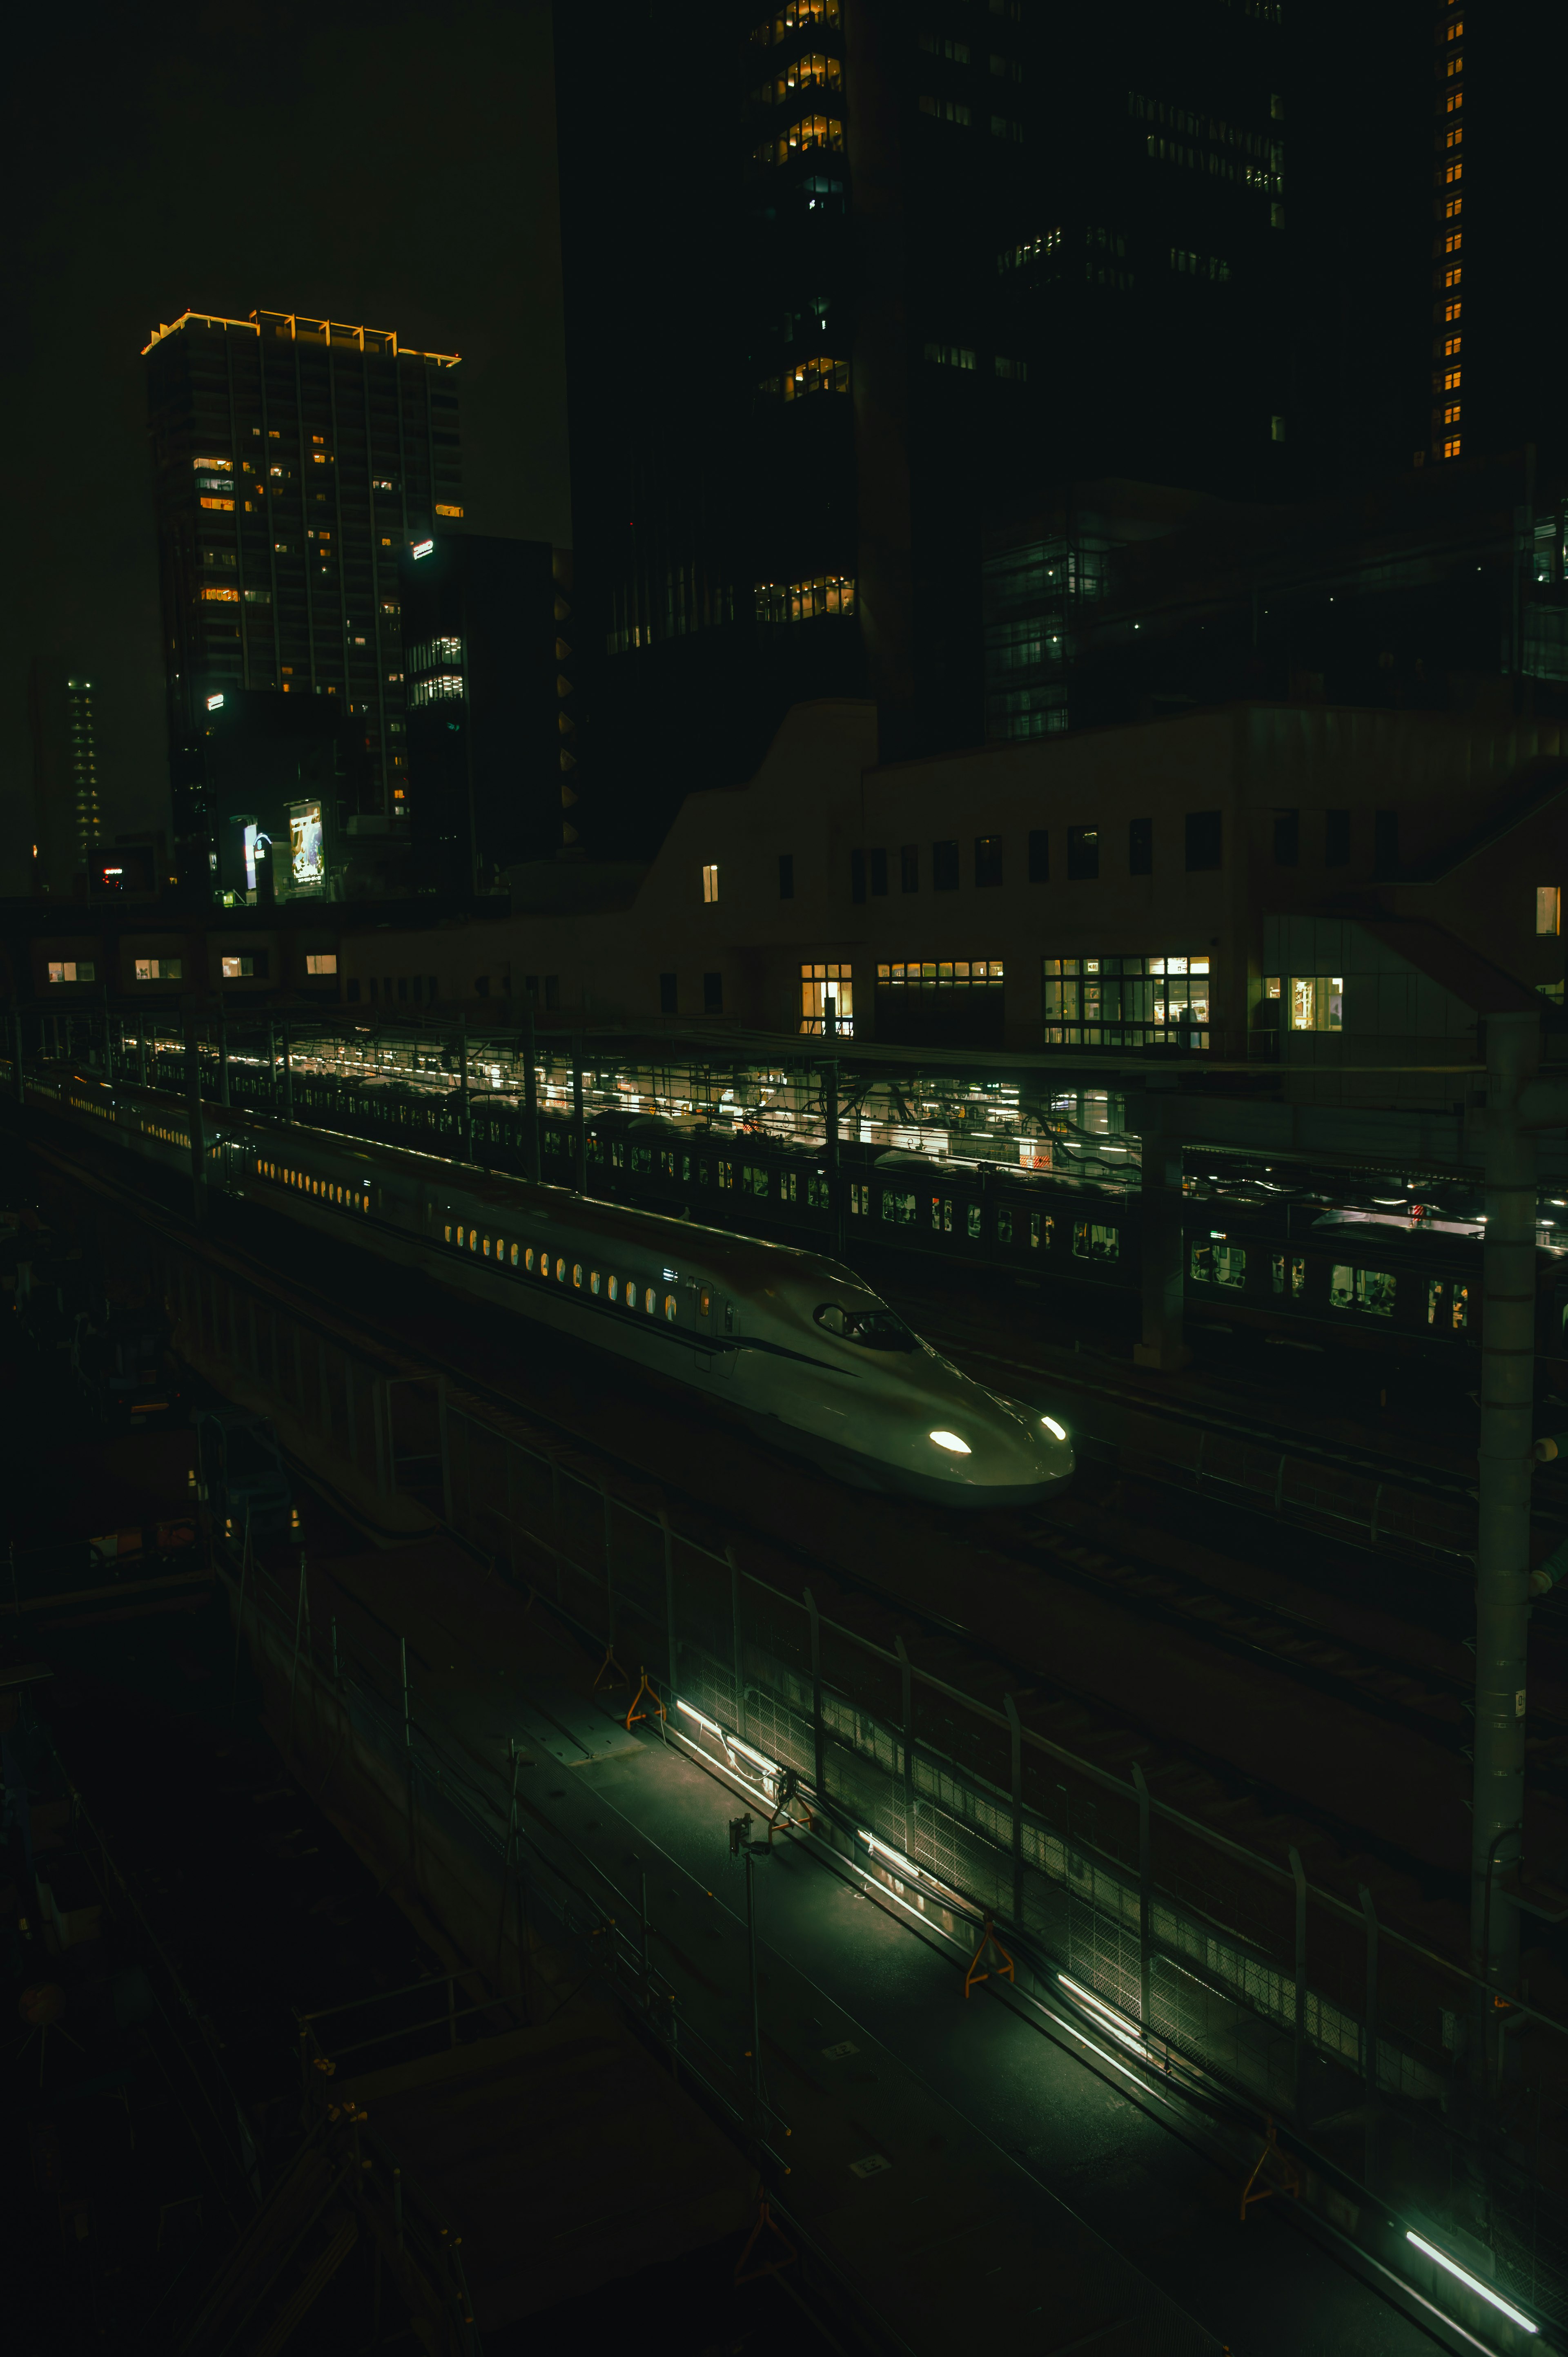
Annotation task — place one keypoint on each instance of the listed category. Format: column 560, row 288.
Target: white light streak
column 1052, row 1426
column 1105, row 2016
column 1470, row 2282
column 950, row 1441
column 711, row 1725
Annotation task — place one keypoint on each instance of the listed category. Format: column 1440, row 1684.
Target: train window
column 1218, row 1262
column 859, row 1197
column 486, row 1247
column 1093, row 1239
column 817, row 1191
column 702, row 1174
column 726, row 1174
column 685, row 1169
column 577, row 1275
column 1003, row 1227
column 642, row 1157
column 1038, row 1222
column 874, row 1329
column 704, row 1302
column 937, row 1211
column 560, row 1272
column 1371, row 1289
column 897, row 1208
column 514, row 1255
column 528, row 1259
column 670, row 1306
column 755, row 1178
column 614, row 1288
column 594, row 1283
column 648, row 1299
column 1447, row 1304
column 974, row 1222
column 1294, row 1283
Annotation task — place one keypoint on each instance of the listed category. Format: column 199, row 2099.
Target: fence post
column 816, row 1693
column 447, row 1454
column 1146, row 1897
column 1299, row 1871
column 906, row 1705
column 1369, row 1911
column 734, row 1624
column 609, row 1576
column 1015, row 1745
column 670, row 1600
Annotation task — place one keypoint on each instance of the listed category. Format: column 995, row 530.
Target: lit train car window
column 1091, row 1239
column 614, row 1288
column 898, row 1207
column 473, row 1240
column 1289, row 1277
column 670, row 1306
column 560, row 1271
column 704, row 1302
column 514, row 1255
column 1003, row 1227
column 860, row 1200
column 486, row 1247
column 1218, row 1262
column 1370, row 1289
column 594, row 1283
column 577, row 1275
column 973, row 1222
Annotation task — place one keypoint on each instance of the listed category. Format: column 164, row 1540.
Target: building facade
column 492, row 702
column 68, row 811
column 929, row 289
column 292, row 460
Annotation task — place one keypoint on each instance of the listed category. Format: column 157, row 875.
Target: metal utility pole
column 579, row 1127
column 1160, row 1240
column 1502, row 1557
column 529, row 1101
column 465, row 1117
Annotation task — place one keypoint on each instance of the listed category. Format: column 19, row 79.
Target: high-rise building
column 293, row 458
column 492, row 706
column 68, row 817
column 941, row 261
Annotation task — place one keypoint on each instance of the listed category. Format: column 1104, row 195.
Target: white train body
column 796, row 1344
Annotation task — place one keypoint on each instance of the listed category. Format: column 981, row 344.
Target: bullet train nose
column 990, row 1451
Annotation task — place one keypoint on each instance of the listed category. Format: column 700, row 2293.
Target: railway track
column 1373, row 1683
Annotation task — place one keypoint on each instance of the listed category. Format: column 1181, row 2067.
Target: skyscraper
column 67, row 817
column 293, row 458
column 937, row 264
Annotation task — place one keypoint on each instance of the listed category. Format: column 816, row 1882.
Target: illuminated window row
column 947, row 970
column 816, row 375
column 797, row 16
column 326, row 1190
column 170, row 1136
column 69, row 970
column 813, row 72
column 813, row 132
column 629, row 1290
column 803, row 601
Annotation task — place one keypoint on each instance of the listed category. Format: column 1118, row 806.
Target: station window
column 1548, row 909
column 827, row 990
column 1126, row 1002
column 1447, row 1304
column 69, row 970
column 1091, row 1239
column 1317, row 1001
column 1289, row 1275
column 1371, row 1289
column 898, row 1206
column 148, row 970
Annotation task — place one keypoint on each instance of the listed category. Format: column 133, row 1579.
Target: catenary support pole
column 465, row 1111
column 529, row 1100
column 836, row 1170
column 579, row 1124
column 1503, row 1559
column 1160, row 1240
column 193, row 1120
column 223, row 1053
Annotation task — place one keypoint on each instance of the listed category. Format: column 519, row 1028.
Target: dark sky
column 393, row 167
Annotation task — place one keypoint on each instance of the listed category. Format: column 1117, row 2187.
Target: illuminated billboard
column 306, row 853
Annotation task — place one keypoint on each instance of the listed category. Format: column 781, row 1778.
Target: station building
column 1247, row 884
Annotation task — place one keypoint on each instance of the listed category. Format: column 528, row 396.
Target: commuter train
column 796, row 1345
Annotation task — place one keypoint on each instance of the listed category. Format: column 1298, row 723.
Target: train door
column 716, row 1323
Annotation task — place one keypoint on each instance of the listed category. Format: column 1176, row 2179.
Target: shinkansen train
column 791, row 1342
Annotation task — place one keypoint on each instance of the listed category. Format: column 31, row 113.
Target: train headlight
column 1058, row 1431
column 949, row 1441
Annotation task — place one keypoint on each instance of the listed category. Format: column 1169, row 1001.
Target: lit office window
column 1548, row 908
column 827, row 990
column 710, row 884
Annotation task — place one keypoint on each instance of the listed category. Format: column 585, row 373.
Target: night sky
column 376, row 164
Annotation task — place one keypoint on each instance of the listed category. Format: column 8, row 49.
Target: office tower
column 292, row 459
column 492, row 706
column 1500, row 341
column 938, row 260
column 67, row 818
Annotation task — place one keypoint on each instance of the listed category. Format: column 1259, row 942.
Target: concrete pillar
column 579, row 1124
column 529, row 1100
column 1159, row 1241
column 1503, row 1559
column 465, row 1114
column 193, row 1118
